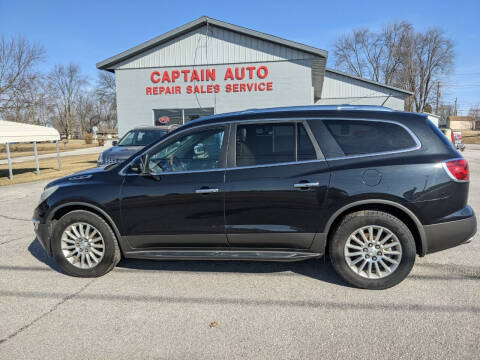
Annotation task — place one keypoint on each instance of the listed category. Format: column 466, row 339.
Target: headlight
column 100, row 158
column 48, row 192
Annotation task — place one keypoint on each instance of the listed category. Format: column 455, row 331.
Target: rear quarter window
column 358, row 137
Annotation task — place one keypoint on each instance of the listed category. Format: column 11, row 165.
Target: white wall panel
column 339, row 89
column 219, row 47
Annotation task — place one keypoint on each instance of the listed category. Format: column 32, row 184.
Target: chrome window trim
column 276, row 164
column 176, row 172
column 303, row 120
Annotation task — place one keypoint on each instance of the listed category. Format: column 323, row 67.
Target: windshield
column 141, row 137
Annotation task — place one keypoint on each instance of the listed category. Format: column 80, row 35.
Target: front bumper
column 448, row 234
column 43, row 234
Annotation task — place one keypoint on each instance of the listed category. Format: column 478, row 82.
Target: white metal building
column 208, row 66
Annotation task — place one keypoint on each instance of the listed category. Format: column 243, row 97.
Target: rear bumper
column 449, row 234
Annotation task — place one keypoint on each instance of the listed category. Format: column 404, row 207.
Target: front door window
column 200, row 150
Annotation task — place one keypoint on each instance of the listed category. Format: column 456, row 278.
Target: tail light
column 457, row 169
column 452, row 136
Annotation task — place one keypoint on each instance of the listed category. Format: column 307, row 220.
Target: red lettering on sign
column 237, row 75
column 262, row 72
column 229, row 74
column 194, row 76
column 185, row 74
column 206, row 78
column 154, row 78
column 250, row 71
column 166, row 77
column 211, row 74
column 175, row 75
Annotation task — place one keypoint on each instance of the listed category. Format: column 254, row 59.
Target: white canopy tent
column 13, row 132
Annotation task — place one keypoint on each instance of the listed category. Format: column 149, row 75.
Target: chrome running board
column 251, row 255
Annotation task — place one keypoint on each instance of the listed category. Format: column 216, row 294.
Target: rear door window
column 271, row 143
column 359, row 137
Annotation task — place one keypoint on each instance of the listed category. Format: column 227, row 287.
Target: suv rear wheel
column 372, row 249
column 84, row 244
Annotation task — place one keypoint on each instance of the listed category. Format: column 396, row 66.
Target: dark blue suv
column 369, row 186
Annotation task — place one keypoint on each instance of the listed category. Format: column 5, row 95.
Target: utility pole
column 438, row 97
column 455, row 109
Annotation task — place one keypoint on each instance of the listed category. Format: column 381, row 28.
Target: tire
column 110, row 252
column 348, row 258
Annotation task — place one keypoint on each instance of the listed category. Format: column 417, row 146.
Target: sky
column 86, row 32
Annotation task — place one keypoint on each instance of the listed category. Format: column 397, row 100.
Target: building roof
column 338, row 72
column 108, row 63
column 13, row 132
column 461, row 118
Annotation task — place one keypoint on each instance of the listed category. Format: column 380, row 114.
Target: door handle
column 206, row 191
column 306, row 185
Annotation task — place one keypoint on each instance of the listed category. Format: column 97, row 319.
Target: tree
column 65, row 85
column 84, row 111
column 433, row 56
column 18, row 59
column 106, row 103
column 376, row 56
column 398, row 56
column 475, row 112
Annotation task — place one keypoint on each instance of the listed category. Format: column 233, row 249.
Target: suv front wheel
column 372, row 249
column 84, row 244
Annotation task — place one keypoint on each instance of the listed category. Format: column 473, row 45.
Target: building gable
column 209, row 45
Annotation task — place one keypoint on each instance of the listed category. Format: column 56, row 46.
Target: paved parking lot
column 147, row 309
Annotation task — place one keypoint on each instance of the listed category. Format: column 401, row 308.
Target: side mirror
column 139, row 165
column 114, row 142
column 135, row 168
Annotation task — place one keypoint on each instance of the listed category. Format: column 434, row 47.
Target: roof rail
column 364, row 107
column 319, row 107
column 274, row 110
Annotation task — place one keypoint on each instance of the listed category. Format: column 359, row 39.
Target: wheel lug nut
column 370, row 245
column 367, row 256
column 377, row 246
column 379, row 253
column 365, row 249
column 374, row 258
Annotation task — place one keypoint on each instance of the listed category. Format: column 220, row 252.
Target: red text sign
column 203, row 81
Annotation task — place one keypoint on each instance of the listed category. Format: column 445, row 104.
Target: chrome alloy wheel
column 83, row 245
column 373, row 252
